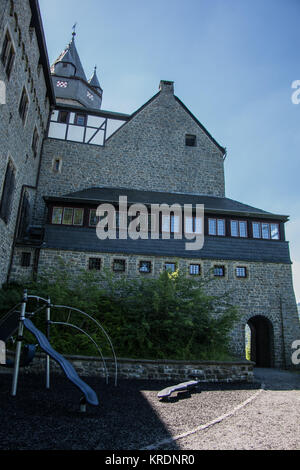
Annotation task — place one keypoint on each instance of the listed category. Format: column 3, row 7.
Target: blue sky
column 233, row 63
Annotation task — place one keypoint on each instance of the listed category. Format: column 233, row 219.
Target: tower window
column 8, row 54
column 35, row 142
column 7, row 194
column 23, row 106
column 190, row 140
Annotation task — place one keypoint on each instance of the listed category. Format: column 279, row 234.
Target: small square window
column 25, row 260
column 170, row 267
column 241, row 271
column 80, row 119
column 190, row 140
column 63, row 117
column 145, row 267
column 94, row 264
column 195, row 269
column 219, row 271
column 119, row 265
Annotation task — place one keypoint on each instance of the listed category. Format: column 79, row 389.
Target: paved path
column 271, row 421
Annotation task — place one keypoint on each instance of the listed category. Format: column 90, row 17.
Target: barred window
column 195, row 269
column 119, row 265
column 94, row 264
column 241, row 271
column 145, row 267
column 219, row 271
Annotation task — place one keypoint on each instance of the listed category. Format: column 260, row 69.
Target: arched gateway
column 262, row 341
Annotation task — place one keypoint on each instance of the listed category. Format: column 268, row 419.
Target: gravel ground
column 130, row 417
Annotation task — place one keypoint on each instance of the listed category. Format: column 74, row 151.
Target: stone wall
column 16, row 137
column 239, row 371
column 267, row 291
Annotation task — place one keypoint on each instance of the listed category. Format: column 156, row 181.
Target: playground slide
column 68, row 369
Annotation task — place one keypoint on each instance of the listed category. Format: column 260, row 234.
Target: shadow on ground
column 129, row 417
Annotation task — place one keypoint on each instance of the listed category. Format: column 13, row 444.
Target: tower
column 70, row 83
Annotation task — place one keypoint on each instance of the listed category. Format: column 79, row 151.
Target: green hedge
column 170, row 317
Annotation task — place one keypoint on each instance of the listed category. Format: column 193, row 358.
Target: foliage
column 167, row 317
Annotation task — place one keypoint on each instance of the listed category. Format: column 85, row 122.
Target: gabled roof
column 222, row 149
column 212, row 204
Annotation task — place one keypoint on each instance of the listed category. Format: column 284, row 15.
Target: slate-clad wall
column 147, row 153
column 16, row 138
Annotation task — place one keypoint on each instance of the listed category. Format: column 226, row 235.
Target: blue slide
column 68, row 369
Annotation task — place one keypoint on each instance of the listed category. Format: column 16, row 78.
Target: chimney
column 166, row 87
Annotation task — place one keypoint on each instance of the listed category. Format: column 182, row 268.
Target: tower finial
column 74, row 29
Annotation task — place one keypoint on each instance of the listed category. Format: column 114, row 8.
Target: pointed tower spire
column 93, row 81
column 69, row 79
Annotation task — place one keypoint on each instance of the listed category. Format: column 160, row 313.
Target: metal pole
column 48, row 322
column 19, row 345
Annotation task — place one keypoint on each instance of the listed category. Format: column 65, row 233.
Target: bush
column 170, row 317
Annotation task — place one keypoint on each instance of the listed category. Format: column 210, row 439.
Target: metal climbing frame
column 48, row 306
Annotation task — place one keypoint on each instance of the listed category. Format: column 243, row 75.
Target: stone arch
column 261, row 341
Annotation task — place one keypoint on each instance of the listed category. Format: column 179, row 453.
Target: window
column 170, row 267
column 7, row 193
column 145, row 267
column 35, row 142
column 241, row 271
column 56, row 167
column 216, row 227
column 193, row 225
column 195, row 269
column 171, row 223
column 190, row 140
column 25, row 260
column 7, row 54
column 23, row 106
column 119, row 265
column 219, row 271
column 266, row 230
column 94, row 264
column 67, row 216
column 63, row 117
column 239, row 228
column 80, row 119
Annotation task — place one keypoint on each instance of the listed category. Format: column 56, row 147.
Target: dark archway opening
column 261, row 341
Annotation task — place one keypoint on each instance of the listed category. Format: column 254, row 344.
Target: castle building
column 62, row 156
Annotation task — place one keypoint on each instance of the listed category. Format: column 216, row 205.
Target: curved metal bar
column 102, row 329
column 85, row 333
column 37, row 298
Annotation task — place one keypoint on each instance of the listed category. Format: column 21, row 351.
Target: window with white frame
column 216, row 227
column 266, row 230
column 238, row 228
